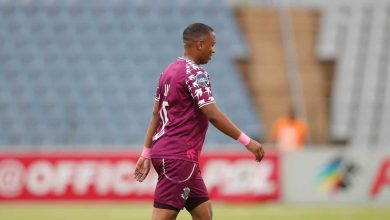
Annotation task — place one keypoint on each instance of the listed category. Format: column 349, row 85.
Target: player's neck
column 188, row 56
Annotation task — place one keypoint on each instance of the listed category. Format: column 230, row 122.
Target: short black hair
column 195, row 31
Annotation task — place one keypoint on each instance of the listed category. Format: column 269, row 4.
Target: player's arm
column 143, row 164
column 225, row 125
column 152, row 125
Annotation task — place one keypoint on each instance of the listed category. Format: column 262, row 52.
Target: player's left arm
column 226, row 126
column 143, row 164
column 199, row 86
column 220, row 120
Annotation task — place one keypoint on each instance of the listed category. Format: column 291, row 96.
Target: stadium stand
column 267, row 71
column 352, row 49
column 83, row 72
column 357, row 37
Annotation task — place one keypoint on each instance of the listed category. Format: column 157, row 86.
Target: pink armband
column 244, row 139
column 146, row 152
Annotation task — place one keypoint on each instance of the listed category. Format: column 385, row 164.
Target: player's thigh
column 174, row 184
column 202, row 212
column 164, row 214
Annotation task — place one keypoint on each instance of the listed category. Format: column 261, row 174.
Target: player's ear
column 199, row 45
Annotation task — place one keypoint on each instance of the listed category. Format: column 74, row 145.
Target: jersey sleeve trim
column 206, row 103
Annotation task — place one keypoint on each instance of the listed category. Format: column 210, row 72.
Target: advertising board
column 108, row 176
column 334, row 175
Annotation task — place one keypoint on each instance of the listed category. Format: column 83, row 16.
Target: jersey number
column 164, row 119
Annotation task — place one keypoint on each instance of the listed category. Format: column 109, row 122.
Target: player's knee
column 164, row 214
column 204, row 217
column 211, row 214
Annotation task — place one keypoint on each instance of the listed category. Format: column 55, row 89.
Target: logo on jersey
column 191, row 154
column 185, row 193
column 201, row 79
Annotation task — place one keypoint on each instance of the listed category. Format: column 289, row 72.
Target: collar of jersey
column 188, row 60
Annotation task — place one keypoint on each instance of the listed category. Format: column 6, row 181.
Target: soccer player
column 184, row 104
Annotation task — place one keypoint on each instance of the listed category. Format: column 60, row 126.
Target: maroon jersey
column 183, row 89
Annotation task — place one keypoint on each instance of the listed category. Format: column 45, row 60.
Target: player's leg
column 164, row 214
column 171, row 193
column 202, row 211
column 198, row 202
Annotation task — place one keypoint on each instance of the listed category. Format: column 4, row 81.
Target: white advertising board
column 336, row 175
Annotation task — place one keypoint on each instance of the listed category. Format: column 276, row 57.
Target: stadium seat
column 85, row 72
column 356, row 36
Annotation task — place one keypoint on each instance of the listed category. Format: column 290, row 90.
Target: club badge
column 185, row 193
column 201, row 79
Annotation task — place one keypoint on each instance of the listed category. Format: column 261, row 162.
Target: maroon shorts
column 179, row 185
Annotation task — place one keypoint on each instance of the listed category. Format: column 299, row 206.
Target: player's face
column 208, row 48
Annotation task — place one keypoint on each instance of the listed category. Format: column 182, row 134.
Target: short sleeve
column 157, row 96
column 199, row 86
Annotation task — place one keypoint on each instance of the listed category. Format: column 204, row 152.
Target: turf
column 140, row 211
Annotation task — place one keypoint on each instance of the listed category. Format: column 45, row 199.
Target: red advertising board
column 107, row 176
column 237, row 177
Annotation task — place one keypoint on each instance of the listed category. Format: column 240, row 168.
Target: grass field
column 130, row 211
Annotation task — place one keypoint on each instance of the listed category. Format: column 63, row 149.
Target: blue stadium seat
column 85, row 72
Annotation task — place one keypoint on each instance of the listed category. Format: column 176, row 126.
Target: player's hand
column 256, row 149
column 141, row 169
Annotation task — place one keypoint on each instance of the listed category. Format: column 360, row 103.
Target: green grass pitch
column 140, row 211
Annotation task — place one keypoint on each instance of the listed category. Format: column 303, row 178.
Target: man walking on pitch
column 184, row 104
